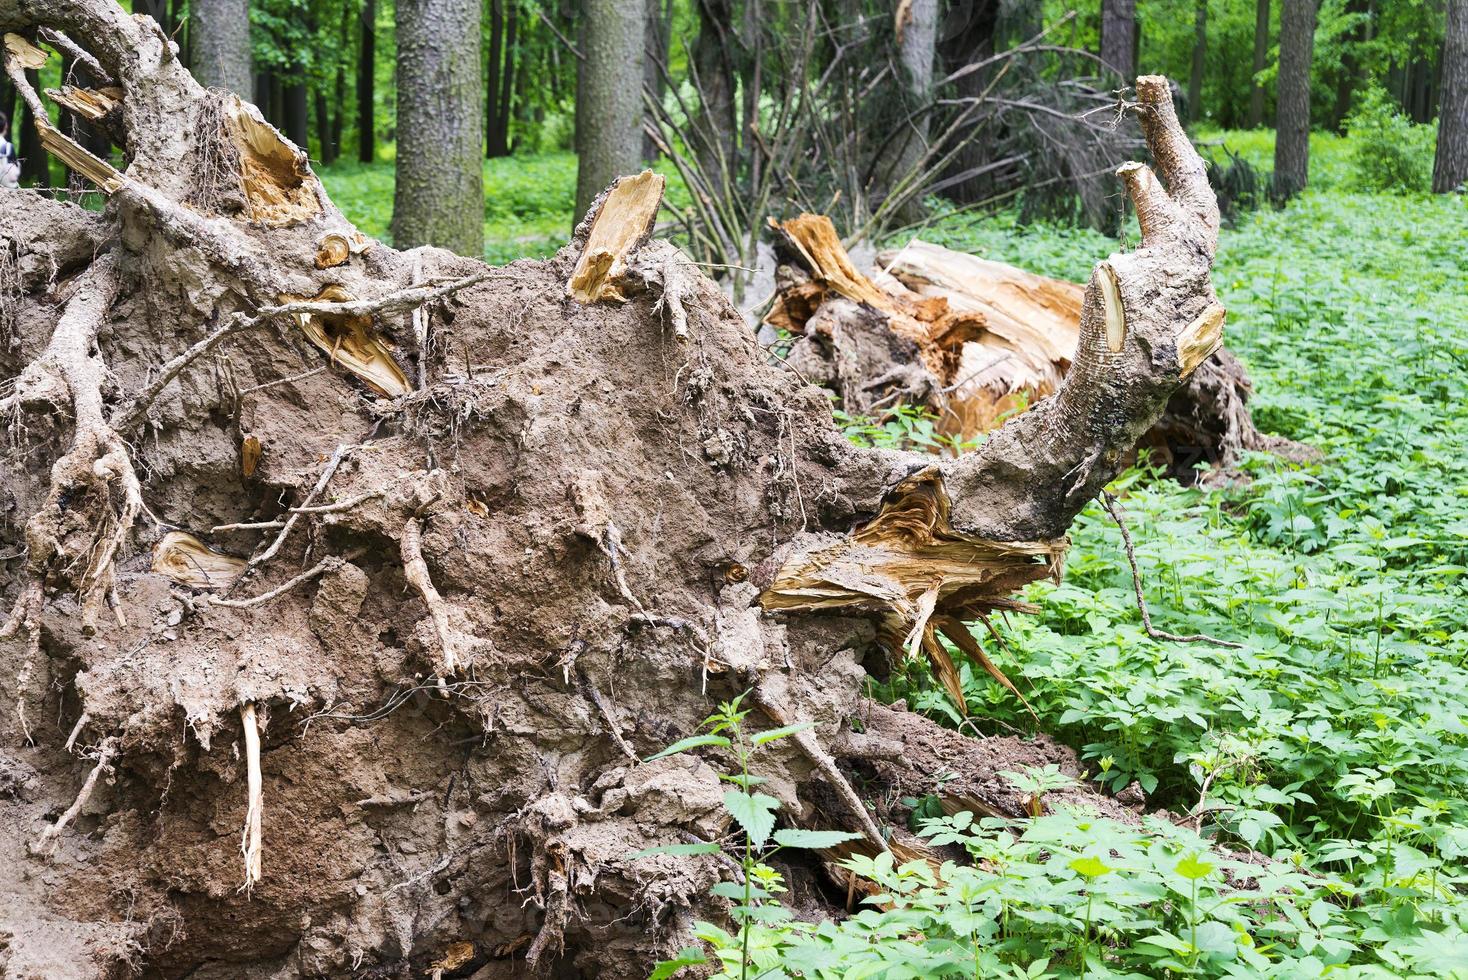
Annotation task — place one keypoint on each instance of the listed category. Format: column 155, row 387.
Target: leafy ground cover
column 528, row 200
column 1335, row 741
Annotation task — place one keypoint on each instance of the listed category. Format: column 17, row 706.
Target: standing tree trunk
column 507, row 86
column 500, row 79
column 439, row 197
column 609, row 96
column 35, row 162
column 492, row 78
column 1450, row 167
column 367, row 84
column 1119, row 36
column 1292, row 126
column 1200, row 57
column 1261, row 61
column 219, row 35
column 469, row 603
column 297, row 112
column 917, row 39
column 657, row 32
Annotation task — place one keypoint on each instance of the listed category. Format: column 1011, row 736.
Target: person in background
column 9, row 164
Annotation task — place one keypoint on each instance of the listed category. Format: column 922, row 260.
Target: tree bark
column 1118, row 36
column 439, row 197
column 35, row 163
column 609, row 96
column 1292, row 126
column 367, row 85
column 493, row 142
column 441, row 619
column 916, row 49
column 219, row 31
column 657, row 33
column 1261, row 61
column 1200, row 57
column 1450, row 167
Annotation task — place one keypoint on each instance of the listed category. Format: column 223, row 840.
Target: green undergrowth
column 529, row 200
column 1334, row 743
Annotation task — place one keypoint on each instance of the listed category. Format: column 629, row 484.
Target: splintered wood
column 994, row 338
column 90, row 104
column 922, row 577
column 910, row 561
column 351, row 341
column 626, row 218
column 22, row 56
column 188, row 561
column 275, row 176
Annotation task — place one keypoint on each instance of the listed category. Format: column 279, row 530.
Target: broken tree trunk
column 978, row 341
column 473, row 546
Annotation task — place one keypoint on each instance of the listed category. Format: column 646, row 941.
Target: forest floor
column 1336, row 737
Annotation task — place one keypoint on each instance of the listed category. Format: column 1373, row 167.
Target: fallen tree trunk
column 977, row 341
column 471, row 540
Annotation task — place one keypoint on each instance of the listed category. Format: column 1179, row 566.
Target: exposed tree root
column 251, row 845
column 105, row 752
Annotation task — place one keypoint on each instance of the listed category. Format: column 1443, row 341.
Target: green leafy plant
column 756, row 909
column 1389, row 152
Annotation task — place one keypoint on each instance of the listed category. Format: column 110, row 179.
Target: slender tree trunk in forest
column 492, row 78
column 1200, row 59
column 508, row 74
column 35, row 163
column 609, row 96
column 219, row 32
column 1292, row 126
column 366, row 85
column 439, row 196
column 917, row 48
column 1450, row 167
column 1119, row 35
column 323, row 127
column 297, row 110
column 657, row 33
column 1261, row 60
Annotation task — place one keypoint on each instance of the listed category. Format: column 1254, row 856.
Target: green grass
column 528, row 202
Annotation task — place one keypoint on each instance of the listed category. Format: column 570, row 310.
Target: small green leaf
column 692, row 742
column 755, row 812
column 813, row 838
column 774, row 734
column 678, row 849
column 1090, row 866
column 1194, row 867
column 691, row 956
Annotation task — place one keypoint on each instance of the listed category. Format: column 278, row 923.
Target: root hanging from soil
column 251, row 844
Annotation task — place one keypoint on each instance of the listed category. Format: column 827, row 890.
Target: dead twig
column 1109, row 502
column 105, row 752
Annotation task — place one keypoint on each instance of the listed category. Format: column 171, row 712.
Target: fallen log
column 977, row 341
column 586, row 518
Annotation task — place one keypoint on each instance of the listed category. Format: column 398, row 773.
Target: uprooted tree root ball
column 345, row 586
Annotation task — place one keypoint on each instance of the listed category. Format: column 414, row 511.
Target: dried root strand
column 250, row 840
column 48, row 841
column 1109, row 502
column 415, row 570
